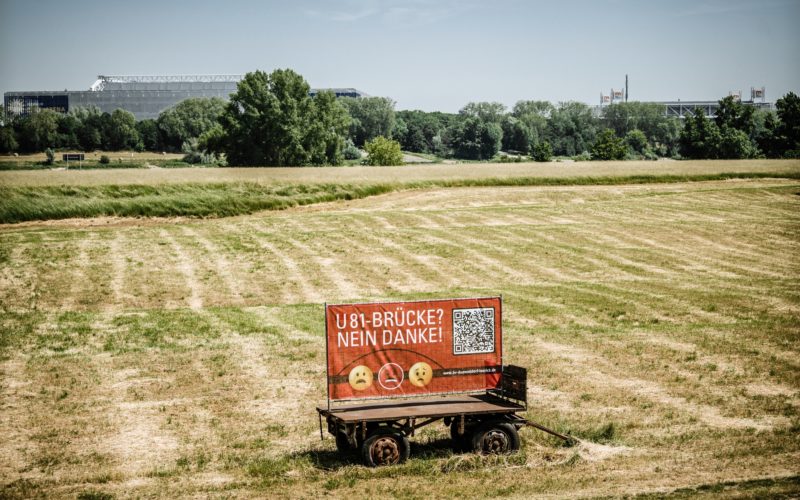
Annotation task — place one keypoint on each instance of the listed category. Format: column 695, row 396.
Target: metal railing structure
column 103, row 79
column 682, row 109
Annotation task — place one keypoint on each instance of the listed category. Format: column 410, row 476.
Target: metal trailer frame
column 487, row 422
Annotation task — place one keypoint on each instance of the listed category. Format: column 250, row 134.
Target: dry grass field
column 660, row 324
column 95, row 155
column 405, row 174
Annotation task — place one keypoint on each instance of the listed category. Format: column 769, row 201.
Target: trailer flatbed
column 430, row 407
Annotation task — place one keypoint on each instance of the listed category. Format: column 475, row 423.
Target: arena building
column 144, row 96
column 684, row 109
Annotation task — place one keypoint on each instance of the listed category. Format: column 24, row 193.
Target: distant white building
column 144, row 96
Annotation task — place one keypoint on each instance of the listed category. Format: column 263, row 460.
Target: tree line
column 272, row 120
column 89, row 129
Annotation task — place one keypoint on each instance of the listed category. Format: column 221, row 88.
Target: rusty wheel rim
column 495, row 441
column 385, row 451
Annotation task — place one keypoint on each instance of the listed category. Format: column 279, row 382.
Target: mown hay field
column 660, row 323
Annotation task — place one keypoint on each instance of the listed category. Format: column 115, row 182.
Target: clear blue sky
column 425, row 54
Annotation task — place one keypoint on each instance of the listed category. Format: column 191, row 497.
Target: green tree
column 516, row 135
column 491, row 138
column 735, row 144
column 474, row 139
column 271, row 120
column 370, row 117
column 637, row 141
column 325, row 138
column 416, row 140
column 91, row 133
column 534, row 114
column 608, row 146
column 188, row 119
column 68, row 128
column 700, row 137
column 440, row 147
column 399, row 130
column 571, row 128
column 767, row 136
column 122, row 132
column 383, row 152
column 788, row 131
column 91, row 136
column 542, row 152
column 37, row 131
column 148, row 133
column 8, row 139
column 421, row 128
column 523, row 109
column 487, row 112
column 731, row 113
column 212, row 140
column 662, row 132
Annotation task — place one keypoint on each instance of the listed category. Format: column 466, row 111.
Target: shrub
column 193, row 157
column 350, row 151
column 51, row 156
column 542, row 152
column 105, row 160
column 509, row 159
column 383, row 152
column 608, row 146
column 585, row 156
column 637, row 141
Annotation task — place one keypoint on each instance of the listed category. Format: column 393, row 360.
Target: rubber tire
column 462, row 443
column 511, row 434
column 404, row 447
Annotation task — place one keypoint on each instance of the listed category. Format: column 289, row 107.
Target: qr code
column 473, row 330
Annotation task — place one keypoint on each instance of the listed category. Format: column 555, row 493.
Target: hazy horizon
column 424, row 54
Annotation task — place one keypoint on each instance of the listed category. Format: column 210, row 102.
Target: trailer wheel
column 462, row 442
column 495, row 438
column 385, row 447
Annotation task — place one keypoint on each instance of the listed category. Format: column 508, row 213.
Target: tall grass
column 190, row 200
column 26, row 203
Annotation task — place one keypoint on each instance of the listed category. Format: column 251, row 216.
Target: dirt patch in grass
column 14, row 444
column 141, row 444
column 186, row 268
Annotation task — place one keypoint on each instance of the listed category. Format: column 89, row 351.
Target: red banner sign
column 396, row 349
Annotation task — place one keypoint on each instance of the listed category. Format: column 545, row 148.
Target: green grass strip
column 85, row 165
column 27, row 203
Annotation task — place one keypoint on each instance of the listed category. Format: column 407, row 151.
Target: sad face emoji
column 420, row 374
column 360, row 378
